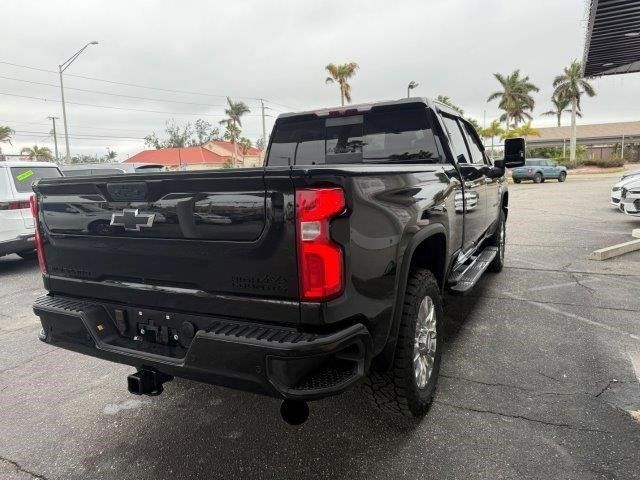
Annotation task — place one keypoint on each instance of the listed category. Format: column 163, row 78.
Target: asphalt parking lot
column 539, row 380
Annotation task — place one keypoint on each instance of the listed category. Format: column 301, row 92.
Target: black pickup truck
column 323, row 269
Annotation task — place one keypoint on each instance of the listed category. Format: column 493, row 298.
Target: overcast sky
column 277, row 50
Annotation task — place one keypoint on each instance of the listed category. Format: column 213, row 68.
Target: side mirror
column 514, row 149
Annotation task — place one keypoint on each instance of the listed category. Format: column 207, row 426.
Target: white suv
column 16, row 224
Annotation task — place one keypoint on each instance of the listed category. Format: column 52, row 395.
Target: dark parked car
column 538, row 170
column 325, row 268
column 86, row 169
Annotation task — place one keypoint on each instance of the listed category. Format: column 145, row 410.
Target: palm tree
column 559, row 107
column 5, row 135
column 447, row 101
column 340, row 74
column 570, row 85
column 492, row 131
column 527, row 131
column 232, row 134
column 36, row 152
column 245, row 145
column 234, row 112
column 515, row 97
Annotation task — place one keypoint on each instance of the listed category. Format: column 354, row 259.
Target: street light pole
column 61, row 68
column 410, row 87
column 55, row 137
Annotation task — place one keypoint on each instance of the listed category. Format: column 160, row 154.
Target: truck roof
column 363, row 107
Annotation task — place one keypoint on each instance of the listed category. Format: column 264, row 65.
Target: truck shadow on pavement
column 12, row 264
column 203, row 430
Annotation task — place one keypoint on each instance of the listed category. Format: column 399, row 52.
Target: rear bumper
column 275, row 361
column 21, row 243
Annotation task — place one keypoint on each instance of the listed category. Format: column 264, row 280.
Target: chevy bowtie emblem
column 130, row 219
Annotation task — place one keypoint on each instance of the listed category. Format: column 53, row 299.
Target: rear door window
column 23, row 177
column 457, row 139
column 390, row 135
column 475, row 148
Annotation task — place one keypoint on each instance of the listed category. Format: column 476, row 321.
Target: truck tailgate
column 214, row 233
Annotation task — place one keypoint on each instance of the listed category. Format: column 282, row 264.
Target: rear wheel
column 537, row 178
column 517, row 180
column 408, row 385
column 562, row 177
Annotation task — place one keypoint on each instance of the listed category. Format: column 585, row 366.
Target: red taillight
column 320, row 262
column 35, row 210
column 14, row 205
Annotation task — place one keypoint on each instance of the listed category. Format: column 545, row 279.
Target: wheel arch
column 427, row 249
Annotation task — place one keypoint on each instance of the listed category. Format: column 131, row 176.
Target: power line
column 120, row 108
column 111, row 94
column 113, row 82
column 80, row 135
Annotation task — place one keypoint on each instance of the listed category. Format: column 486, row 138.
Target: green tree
column 37, row 153
column 176, row 136
column 260, row 144
column 447, row 101
column 527, row 131
column 5, row 135
column 245, row 144
column 187, row 135
column 492, row 131
column 204, row 132
column 514, row 97
column 559, row 107
column 340, row 74
column 570, row 86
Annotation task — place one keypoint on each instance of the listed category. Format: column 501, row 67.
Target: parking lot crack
column 531, row 391
column 578, row 282
column 607, row 387
column 523, row 417
column 21, row 469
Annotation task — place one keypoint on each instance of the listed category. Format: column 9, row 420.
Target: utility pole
column 55, row 137
column 264, row 128
column 622, row 150
column 61, row 68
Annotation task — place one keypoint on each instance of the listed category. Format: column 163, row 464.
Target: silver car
column 616, row 190
column 630, row 198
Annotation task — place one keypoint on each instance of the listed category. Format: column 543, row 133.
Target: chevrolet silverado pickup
column 325, row 268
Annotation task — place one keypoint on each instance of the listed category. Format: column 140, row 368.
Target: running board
column 465, row 278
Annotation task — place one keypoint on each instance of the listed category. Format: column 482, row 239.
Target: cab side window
column 457, row 139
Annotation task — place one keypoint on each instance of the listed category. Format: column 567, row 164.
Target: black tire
column 396, row 389
column 28, row 254
column 562, row 177
column 516, row 180
column 498, row 239
column 538, row 178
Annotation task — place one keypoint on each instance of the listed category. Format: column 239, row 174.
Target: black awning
column 613, row 38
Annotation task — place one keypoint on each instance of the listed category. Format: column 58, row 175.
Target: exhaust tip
column 294, row 412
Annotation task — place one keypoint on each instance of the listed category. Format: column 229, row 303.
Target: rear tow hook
column 147, row 382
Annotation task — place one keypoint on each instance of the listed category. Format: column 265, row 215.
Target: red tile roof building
column 214, row 154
